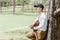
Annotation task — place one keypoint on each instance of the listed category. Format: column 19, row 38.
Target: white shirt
column 42, row 22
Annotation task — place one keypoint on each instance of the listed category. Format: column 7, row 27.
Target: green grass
column 8, row 21
column 21, row 19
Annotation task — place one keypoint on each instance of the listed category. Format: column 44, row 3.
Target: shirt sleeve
column 41, row 23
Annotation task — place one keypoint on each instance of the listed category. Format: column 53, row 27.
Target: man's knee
column 30, row 35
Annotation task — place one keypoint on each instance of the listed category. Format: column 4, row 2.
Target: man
column 40, row 26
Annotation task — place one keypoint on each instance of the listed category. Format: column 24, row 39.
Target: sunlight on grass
column 15, row 21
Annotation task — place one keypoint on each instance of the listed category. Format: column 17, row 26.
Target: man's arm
column 34, row 24
column 41, row 24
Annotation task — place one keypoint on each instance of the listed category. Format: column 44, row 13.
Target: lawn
column 15, row 27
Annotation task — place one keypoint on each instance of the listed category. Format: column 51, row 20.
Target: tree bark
column 14, row 6
column 0, row 6
column 55, row 35
column 54, row 18
column 50, row 21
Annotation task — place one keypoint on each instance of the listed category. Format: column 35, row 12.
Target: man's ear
column 41, row 9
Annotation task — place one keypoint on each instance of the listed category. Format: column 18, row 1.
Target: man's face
column 38, row 9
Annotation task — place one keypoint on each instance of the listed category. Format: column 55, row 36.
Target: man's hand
column 32, row 27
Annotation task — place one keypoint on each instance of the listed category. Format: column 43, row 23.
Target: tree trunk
column 48, row 36
column 55, row 35
column 0, row 6
column 14, row 6
column 54, row 18
column 54, row 24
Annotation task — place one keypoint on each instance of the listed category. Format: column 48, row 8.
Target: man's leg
column 41, row 34
column 31, row 35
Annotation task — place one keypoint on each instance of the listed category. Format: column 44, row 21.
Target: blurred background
column 16, row 16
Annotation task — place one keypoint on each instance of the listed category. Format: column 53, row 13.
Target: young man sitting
column 40, row 26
